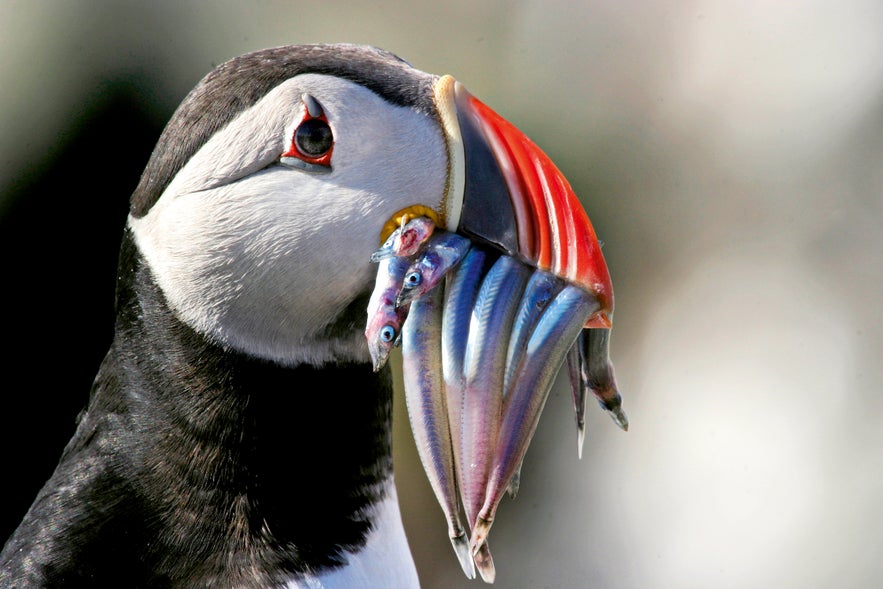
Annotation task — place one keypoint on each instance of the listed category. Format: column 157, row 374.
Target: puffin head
column 283, row 170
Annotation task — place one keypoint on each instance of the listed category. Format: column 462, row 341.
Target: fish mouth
column 504, row 191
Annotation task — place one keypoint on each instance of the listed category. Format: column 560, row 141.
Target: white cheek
column 265, row 263
column 242, row 265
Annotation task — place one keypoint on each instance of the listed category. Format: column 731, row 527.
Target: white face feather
column 261, row 257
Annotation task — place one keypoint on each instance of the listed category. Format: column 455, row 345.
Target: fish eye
column 412, row 279
column 387, row 333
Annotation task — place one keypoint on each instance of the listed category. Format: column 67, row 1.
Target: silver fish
column 406, row 240
column 441, row 253
column 461, row 291
column 484, row 370
column 597, row 375
column 427, row 411
column 539, row 292
column 575, row 374
column 478, row 313
column 479, row 358
column 553, row 336
column 385, row 317
column 590, row 371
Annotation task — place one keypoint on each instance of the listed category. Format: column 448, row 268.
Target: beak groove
column 505, row 191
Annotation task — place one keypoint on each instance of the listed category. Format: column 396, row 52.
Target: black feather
column 241, row 82
column 196, row 466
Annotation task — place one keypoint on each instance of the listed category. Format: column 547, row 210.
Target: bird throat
column 237, row 459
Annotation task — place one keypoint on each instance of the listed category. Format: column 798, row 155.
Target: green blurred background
column 730, row 156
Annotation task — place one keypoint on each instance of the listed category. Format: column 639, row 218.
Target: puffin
column 236, row 434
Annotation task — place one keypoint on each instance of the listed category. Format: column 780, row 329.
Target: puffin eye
column 312, row 142
column 313, row 138
column 387, row 333
column 412, row 279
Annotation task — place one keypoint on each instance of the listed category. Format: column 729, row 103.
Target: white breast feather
column 384, row 562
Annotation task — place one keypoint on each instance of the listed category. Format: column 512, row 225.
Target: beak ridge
column 515, row 198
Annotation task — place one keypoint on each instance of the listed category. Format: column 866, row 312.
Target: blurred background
column 730, row 156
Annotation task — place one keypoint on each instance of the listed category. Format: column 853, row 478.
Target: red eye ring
column 312, row 141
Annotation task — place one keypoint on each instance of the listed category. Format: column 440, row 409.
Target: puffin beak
column 504, row 191
column 502, row 335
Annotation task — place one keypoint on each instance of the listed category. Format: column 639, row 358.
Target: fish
column 590, row 371
column 539, row 292
column 553, row 336
column 428, row 413
column 575, row 374
column 597, row 374
column 461, row 290
column 406, row 240
column 484, row 369
column 437, row 257
column 385, row 316
column 483, row 336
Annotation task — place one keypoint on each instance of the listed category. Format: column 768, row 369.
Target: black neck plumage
column 199, row 466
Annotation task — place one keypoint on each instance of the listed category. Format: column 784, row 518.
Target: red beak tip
column 527, row 207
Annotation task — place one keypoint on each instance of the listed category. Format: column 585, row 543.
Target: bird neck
column 239, row 463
